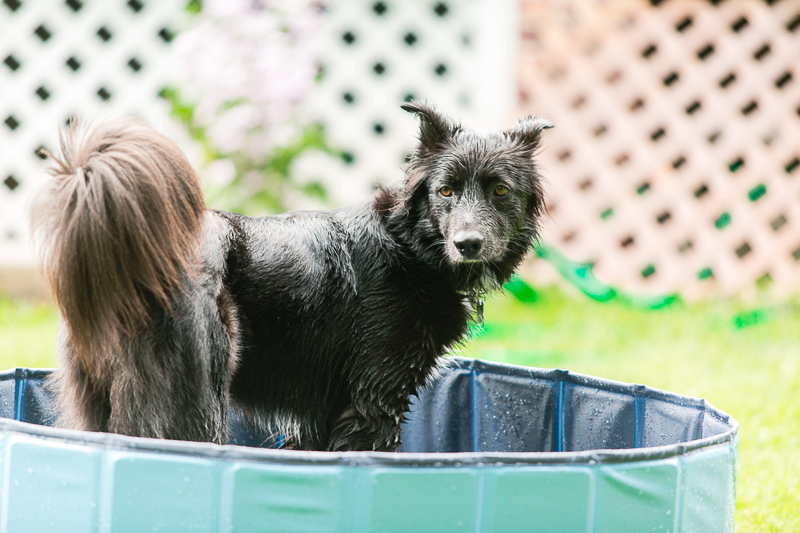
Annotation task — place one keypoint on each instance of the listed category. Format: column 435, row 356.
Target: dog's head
column 478, row 194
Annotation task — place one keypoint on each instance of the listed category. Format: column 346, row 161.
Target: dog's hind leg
column 168, row 399
column 171, row 379
column 82, row 400
column 166, row 382
column 163, row 402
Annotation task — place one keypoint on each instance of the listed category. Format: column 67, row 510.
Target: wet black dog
column 316, row 325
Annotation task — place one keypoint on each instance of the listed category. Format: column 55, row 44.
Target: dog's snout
column 468, row 243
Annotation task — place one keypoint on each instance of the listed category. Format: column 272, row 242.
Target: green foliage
column 193, row 7
column 242, row 195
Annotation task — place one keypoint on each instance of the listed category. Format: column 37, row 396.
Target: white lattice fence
column 75, row 57
column 376, row 54
column 674, row 162
column 64, row 58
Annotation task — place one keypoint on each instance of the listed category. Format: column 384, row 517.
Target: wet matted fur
column 318, row 326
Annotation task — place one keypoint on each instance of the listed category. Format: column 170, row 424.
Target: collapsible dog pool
column 487, row 447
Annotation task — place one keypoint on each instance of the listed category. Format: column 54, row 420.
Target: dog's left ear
column 434, row 128
column 528, row 131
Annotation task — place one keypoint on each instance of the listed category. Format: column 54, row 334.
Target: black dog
column 319, row 326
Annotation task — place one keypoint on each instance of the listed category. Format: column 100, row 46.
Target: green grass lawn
column 752, row 372
column 27, row 334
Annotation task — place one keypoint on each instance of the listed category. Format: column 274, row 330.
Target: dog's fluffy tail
column 116, row 228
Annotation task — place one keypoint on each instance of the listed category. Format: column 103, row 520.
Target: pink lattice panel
column 675, row 161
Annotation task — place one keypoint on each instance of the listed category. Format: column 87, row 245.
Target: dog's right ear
column 434, row 128
column 528, row 131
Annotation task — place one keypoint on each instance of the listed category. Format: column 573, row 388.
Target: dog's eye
column 446, row 191
column 501, row 190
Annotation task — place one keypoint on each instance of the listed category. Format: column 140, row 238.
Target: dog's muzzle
column 468, row 243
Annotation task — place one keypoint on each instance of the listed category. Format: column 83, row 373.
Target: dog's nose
column 468, row 243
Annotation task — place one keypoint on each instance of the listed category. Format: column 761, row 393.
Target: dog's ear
column 528, row 131
column 434, row 128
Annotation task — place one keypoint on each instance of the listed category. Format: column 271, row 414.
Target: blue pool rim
column 406, row 459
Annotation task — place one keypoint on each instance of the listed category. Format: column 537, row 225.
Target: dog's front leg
column 367, row 427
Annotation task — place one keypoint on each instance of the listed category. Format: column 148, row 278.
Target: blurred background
column 674, row 166
column 671, row 254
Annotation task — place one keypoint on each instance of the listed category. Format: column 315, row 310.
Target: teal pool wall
column 68, row 481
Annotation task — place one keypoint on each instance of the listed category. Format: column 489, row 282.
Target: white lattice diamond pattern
column 665, row 164
column 674, row 164
column 456, row 53
column 376, row 54
column 64, row 58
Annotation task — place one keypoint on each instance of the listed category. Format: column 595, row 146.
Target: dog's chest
column 430, row 315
